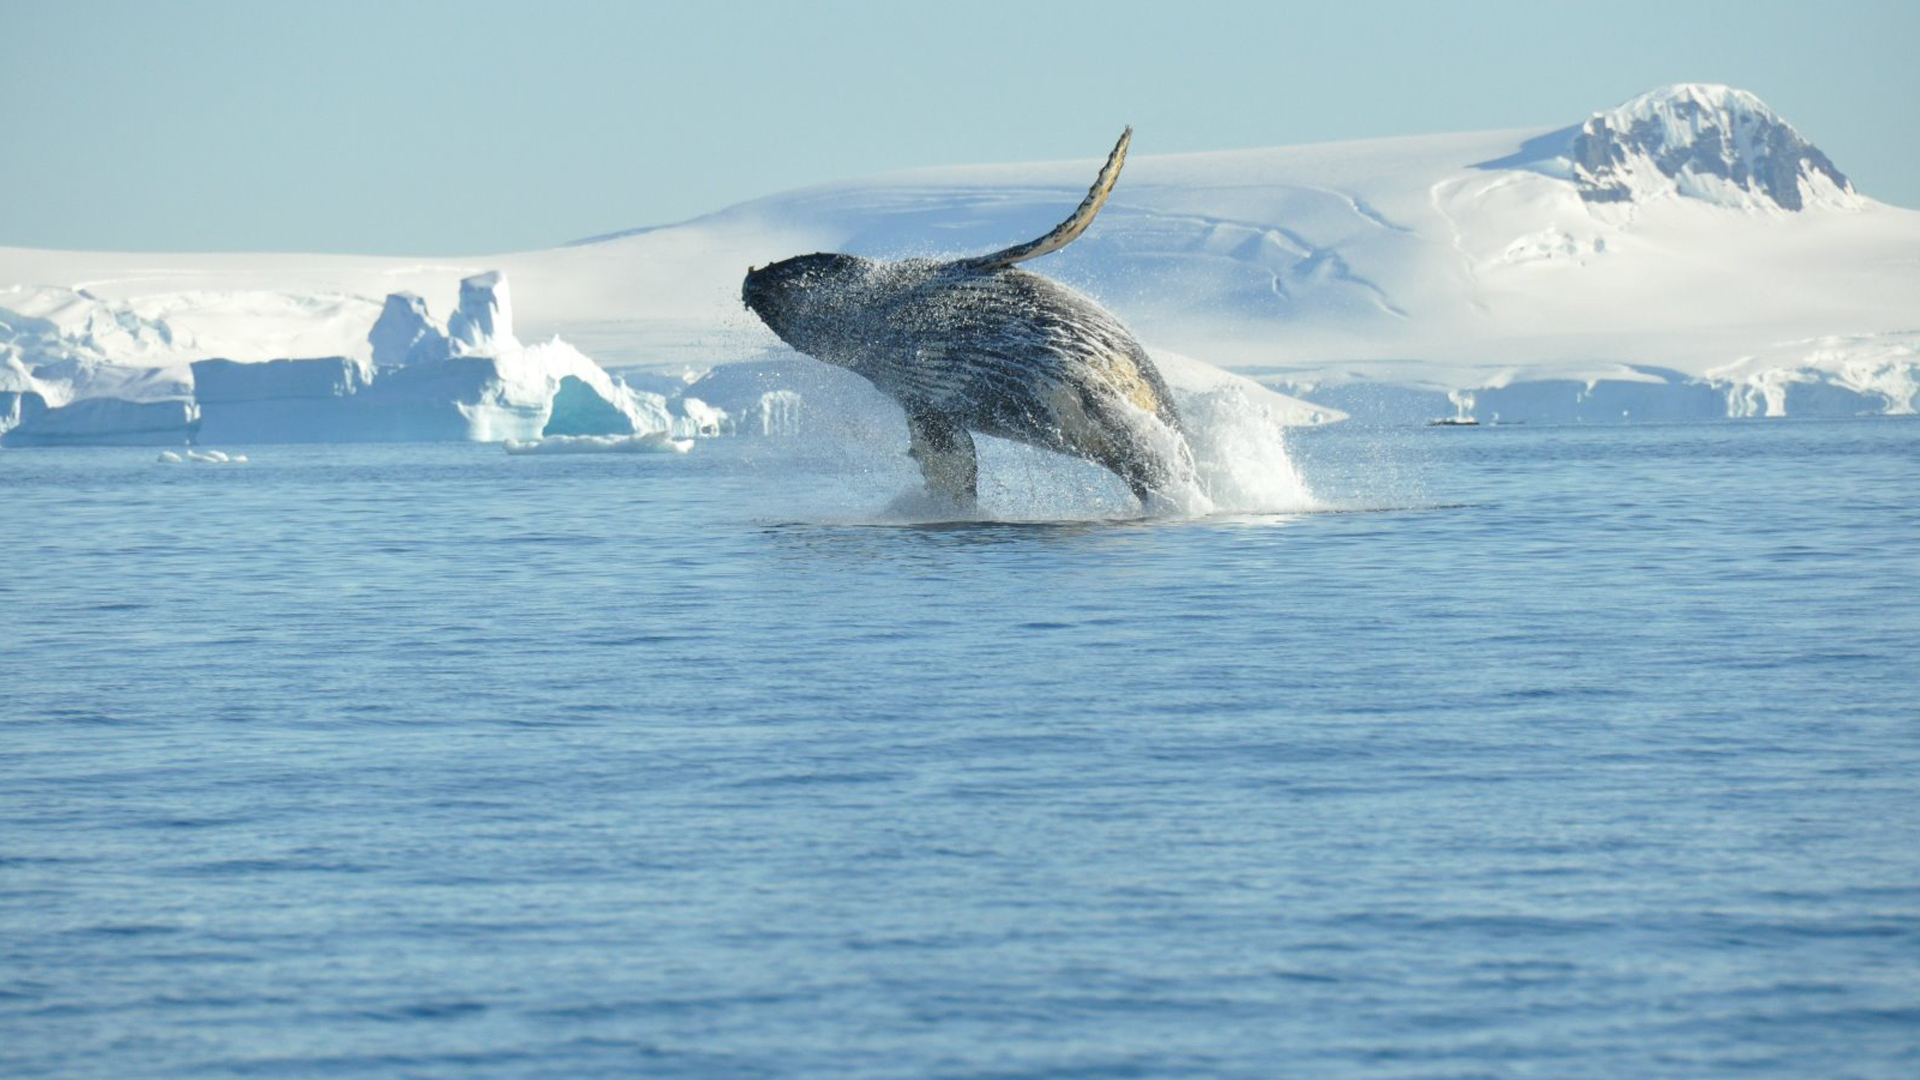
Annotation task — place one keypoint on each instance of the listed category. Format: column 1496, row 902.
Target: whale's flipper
column 944, row 449
column 1065, row 232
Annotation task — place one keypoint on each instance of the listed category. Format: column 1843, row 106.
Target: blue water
column 1582, row 752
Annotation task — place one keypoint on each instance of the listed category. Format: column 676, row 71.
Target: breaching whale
column 979, row 345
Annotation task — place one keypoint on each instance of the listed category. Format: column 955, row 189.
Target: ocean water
column 1529, row 752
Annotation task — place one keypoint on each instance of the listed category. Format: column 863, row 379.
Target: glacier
column 1684, row 255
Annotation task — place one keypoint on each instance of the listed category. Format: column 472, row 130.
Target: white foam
column 651, row 443
column 1240, row 454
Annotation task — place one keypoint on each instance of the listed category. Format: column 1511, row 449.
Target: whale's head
column 814, row 302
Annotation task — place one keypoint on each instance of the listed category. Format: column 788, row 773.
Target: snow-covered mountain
column 1707, row 142
column 1685, row 254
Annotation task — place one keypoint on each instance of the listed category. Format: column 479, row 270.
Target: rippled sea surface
column 1556, row 752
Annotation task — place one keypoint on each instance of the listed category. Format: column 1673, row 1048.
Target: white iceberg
column 109, row 422
column 404, row 334
column 280, row 400
column 483, row 323
column 76, row 367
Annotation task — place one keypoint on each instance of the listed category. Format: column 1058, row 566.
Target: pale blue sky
column 480, row 126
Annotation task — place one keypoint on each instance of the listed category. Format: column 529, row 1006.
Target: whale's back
column 993, row 344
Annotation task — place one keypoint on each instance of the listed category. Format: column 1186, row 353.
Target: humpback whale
column 978, row 345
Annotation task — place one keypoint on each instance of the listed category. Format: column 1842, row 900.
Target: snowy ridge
column 1686, row 254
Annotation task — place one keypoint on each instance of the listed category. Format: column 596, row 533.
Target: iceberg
column 19, row 407
column 404, row 334
column 483, row 323
column 774, row 412
column 109, row 422
column 514, row 395
column 408, row 379
column 279, row 400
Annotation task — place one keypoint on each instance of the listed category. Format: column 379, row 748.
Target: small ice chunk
column 212, row 457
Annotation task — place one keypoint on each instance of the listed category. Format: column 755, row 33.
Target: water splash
column 847, row 463
column 1240, row 454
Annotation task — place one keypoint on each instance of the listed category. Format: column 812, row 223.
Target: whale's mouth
column 756, row 293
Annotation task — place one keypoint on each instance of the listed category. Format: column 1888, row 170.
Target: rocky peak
column 1707, row 142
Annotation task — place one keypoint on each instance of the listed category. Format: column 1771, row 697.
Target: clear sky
column 479, row 126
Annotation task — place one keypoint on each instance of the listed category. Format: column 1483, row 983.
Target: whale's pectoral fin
column 944, row 449
column 1069, row 230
